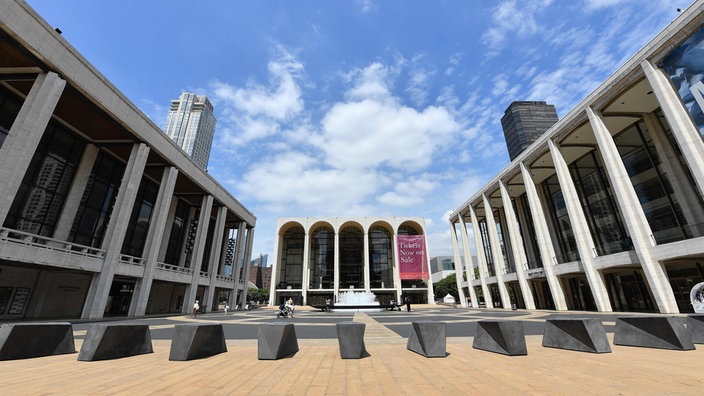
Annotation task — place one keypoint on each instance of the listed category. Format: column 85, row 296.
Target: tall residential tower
column 523, row 122
column 191, row 124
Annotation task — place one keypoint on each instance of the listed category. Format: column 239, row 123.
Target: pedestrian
column 408, row 303
column 227, row 307
column 196, row 308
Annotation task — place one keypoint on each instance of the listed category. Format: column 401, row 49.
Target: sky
column 358, row 107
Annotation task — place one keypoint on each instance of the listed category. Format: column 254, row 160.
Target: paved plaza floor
column 390, row 369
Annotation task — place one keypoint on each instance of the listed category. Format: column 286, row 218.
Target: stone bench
column 500, row 336
column 114, row 341
column 195, row 341
column 695, row 326
column 663, row 332
column 28, row 340
column 350, row 337
column 276, row 340
column 585, row 335
column 428, row 338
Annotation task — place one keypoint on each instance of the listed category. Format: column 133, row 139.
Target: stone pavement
column 390, row 369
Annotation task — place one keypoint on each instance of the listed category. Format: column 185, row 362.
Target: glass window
column 136, row 234
column 567, row 251
column 351, row 258
column 292, row 258
column 322, row 258
column 380, row 258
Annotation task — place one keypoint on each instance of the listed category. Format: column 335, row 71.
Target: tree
column 258, row 295
column 447, row 286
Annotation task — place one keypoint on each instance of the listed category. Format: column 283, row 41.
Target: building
column 441, row 267
column 603, row 212
column 523, row 123
column 262, row 260
column 102, row 214
column 260, row 276
column 191, row 124
column 319, row 258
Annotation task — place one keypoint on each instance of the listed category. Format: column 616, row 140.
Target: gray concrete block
column 428, row 338
column 695, row 326
column 500, row 336
column 195, row 341
column 350, row 337
column 276, row 340
column 585, row 335
column 114, row 341
column 663, row 332
column 28, row 340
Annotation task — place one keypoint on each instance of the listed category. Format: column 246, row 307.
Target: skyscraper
column 191, row 124
column 523, row 123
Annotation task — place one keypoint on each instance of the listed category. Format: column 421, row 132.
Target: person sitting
column 291, row 307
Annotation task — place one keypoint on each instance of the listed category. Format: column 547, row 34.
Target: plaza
column 389, row 369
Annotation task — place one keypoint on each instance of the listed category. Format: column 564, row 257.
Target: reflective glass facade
column 351, row 258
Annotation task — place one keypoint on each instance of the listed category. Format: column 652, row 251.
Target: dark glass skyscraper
column 523, row 122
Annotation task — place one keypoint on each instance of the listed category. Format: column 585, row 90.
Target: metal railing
column 27, row 239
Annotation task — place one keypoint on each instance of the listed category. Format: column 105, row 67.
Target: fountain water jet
column 351, row 298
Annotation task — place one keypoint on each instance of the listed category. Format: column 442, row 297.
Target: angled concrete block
column 586, row 335
column 28, row 340
column 276, row 340
column 663, row 332
column 114, row 341
column 428, row 338
column 195, row 341
column 350, row 337
column 501, row 336
column 695, row 326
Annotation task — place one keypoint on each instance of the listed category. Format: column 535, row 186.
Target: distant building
column 261, row 260
column 317, row 258
column 441, row 267
column 260, row 276
column 191, row 124
column 523, row 123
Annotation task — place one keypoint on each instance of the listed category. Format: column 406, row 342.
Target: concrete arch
column 411, row 225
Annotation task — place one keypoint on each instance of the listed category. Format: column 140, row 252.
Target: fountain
column 352, row 298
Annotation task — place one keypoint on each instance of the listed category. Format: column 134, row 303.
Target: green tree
column 447, row 286
column 260, row 295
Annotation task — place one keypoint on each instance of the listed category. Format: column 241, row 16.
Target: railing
column 204, row 274
column 225, row 278
column 173, row 268
column 27, row 239
column 131, row 260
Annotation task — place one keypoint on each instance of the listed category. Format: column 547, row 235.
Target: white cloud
column 511, row 17
column 410, row 192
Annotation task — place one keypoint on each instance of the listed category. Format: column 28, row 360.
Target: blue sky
column 357, row 108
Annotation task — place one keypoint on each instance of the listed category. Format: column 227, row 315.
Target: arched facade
column 318, row 258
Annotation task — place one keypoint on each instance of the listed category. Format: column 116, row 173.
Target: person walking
column 196, row 308
column 408, row 303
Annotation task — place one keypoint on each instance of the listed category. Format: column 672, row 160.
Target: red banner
column 411, row 257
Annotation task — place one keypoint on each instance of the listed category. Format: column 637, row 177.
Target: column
column 431, row 289
column 155, row 235
column 458, row 265
column 115, row 233
column 75, row 193
column 580, row 228
column 483, row 272
column 215, row 250
column 275, row 276
column 247, row 265
column 336, row 261
column 469, row 263
column 633, row 216
column 499, row 262
column 545, row 244
column 237, row 262
column 206, row 206
column 306, row 266
column 684, row 131
column 519, row 254
column 367, row 281
column 23, row 138
column 396, row 270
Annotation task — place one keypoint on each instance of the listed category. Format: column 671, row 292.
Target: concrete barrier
column 195, row 341
column 662, row 332
column 500, row 336
column 28, row 340
column 428, row 338
column 276, row 340
column 350, row 337
column 695, row 326
column 585, row 335
column 114, row 341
